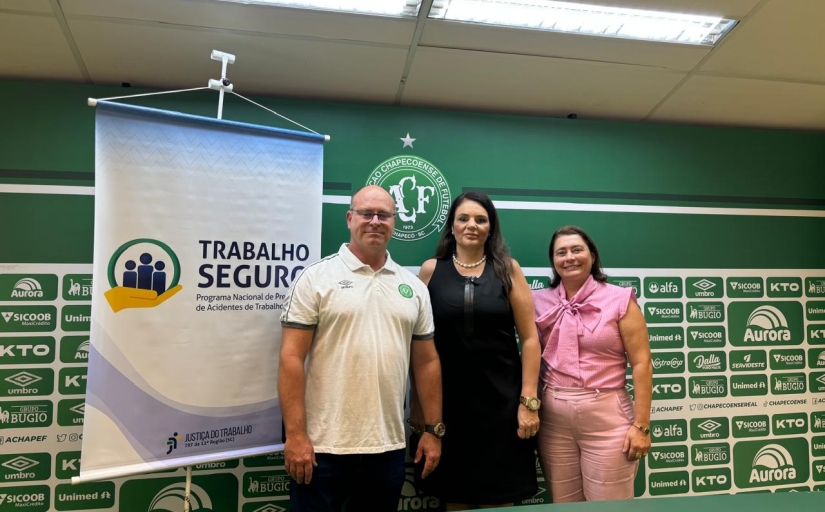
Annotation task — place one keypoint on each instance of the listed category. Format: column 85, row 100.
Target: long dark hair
column 595, row 270
column 494, row 247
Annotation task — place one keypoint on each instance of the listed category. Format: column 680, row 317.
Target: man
column 353, row 323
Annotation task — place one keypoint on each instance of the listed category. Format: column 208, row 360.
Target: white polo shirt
column 356, row 369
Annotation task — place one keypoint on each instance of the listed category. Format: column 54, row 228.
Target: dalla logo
column 421, row 194
column 170, row 499
column 143, row 273
column 767, row 323
column 27, row 287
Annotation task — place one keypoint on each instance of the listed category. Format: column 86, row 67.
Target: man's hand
column 429, row 447
column 299, row 458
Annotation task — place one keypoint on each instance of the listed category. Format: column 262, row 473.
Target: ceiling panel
column 735, row 9
column 471, row 36
column 507, row 83
column 745, row 102
column 164, row 57
column 40, row 6
column 784, row 40
column 253, row 18
column 34, row 48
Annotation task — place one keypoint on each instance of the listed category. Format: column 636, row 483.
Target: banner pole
column 188, row 488
column 223, row 84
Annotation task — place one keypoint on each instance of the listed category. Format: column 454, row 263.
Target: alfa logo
column 767, row 323
column 422, row 195
column 170, row 499
column 27, row 287
column 143, row 273
column 20, row 464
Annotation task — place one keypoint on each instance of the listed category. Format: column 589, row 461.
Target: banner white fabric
column 200, row 228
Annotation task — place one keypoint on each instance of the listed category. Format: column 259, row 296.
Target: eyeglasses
column 369, row 214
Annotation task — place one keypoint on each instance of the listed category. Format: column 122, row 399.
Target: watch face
column 533, row 404
column 440, row 429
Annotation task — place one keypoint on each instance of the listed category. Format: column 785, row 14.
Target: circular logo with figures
column 405, row 290
column 421, row 194
column 142, row 273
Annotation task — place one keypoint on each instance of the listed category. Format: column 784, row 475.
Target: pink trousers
column 580, row 444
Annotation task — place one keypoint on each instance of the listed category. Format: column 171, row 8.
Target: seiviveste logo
column 422, row 195
column 143, row 273
column 774, row 462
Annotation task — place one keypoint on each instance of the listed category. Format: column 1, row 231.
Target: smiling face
column 471, row 225
column 572, row 259
column 368, row 235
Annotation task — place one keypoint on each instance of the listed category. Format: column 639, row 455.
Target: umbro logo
column 345, row 284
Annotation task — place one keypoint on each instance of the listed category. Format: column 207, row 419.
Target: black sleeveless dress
column 483, row 461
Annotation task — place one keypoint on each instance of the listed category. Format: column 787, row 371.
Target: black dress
column 483, row 460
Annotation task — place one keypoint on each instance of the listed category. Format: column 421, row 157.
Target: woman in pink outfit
column 592, row 434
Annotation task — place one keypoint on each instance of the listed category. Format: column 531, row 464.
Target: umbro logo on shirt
column 345, row 284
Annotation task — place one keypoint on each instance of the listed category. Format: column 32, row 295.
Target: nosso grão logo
column 143, row 273
column 422, row 195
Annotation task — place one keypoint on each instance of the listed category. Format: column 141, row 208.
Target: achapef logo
column 170, row 499
column 422, row 195
column 139, row 275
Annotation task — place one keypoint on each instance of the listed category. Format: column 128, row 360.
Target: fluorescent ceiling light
column 586, row 19
column 380, row 7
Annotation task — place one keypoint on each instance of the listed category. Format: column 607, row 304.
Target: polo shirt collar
column 353, row 263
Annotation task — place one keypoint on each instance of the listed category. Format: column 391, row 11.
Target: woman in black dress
column 480, row 299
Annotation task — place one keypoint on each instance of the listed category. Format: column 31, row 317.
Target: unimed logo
column 669, row 482
column 668, row 388
column 771, row 462
column 668, row 431
column 702, row 429
column 711, row 479
column 710, row 454
column 765, row 323
column 708, row 387
column 789, row 424
column 666, row 337
column 788, row 383
column 755, row 384
column 663, row 312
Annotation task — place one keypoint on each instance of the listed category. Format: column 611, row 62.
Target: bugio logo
column 770, row 463
column 705, row 312
column 266, row 483
column 815, row 286
column 788, row 383
column 627, row 282
column 708, row 387
column 422, row 195
column 773, row 323
column 143, row 273
column 711, row 454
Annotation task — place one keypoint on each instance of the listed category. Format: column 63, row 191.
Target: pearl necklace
column 469, row 265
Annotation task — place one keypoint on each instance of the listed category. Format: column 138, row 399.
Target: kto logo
column 139, row 273
column 708, row 387
column 755, row 384
column 711, row 454
column 28, row 287
column 750, row 426
column 31, row 498
column 668, row 431
column 711, row 479
column 668, row 388
column 663, row 312
column 784, row 287
column 788, row 383
column 703, row 362
column 789, row 424
column 422, row 195
column 709, row 428
column 27, row 350
column 663, row 287
column 773, row 323
column 770, row 463
column 787, row 359
column 745, row 287
column 627, row 282
column 72, row 380
column 698, row 287
column 706, row 312
column 816, row 334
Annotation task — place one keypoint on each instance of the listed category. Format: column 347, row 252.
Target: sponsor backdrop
column 718, row 233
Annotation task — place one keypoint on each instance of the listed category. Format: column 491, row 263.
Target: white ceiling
column 769, row 72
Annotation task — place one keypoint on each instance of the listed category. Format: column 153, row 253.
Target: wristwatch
column 437, row 430
column 645, row 430
column 530, row 402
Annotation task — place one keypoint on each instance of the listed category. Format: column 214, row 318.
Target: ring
column 638, row 455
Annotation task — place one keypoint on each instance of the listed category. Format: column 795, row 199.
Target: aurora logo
column 27, row 287
column 767, row 323
column 170, row 499
column 772, row 463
